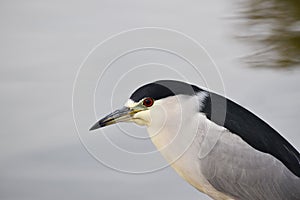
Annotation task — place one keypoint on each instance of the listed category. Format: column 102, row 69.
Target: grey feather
column 235, row 168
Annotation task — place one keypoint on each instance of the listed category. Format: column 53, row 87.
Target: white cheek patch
column 130, row 103
column 142, row 118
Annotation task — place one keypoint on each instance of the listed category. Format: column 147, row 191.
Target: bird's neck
column 174, row 130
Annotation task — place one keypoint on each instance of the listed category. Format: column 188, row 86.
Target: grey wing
column 235, row 168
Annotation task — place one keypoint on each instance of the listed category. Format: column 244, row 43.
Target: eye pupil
column 148, row 102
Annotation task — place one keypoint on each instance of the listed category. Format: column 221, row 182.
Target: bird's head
column 138, row 112
column 152, row 103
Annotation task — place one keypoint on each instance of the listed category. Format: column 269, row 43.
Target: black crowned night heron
column 217, row 146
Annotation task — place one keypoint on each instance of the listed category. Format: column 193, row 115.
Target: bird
column 219, row 147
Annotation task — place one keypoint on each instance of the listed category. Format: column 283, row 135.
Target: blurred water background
column 255, row 44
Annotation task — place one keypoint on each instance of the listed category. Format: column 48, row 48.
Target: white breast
column 177, row 129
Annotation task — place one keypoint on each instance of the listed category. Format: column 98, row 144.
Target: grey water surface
column 43, row 43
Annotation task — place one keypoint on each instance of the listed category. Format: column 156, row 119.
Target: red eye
column 148, row 102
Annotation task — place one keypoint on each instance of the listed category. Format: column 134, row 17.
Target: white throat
column 174, row 125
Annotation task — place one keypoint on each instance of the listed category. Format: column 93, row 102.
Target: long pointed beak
column 122, row 115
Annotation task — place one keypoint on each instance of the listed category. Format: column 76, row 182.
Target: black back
column 251, row 129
